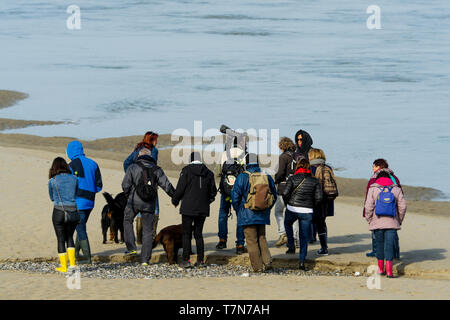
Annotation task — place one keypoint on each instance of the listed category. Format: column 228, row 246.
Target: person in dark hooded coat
column 196, row 189
column 303, row 141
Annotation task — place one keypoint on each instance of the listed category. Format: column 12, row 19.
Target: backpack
column 289, row 172
column 230, row 171
column 386, row 204
column 326, row 177
column 147, row 184
column 259, row 196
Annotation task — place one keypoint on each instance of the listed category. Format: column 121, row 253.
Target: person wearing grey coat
column 135, row 204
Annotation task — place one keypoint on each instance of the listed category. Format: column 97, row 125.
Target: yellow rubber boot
column 71, row 254
column 63, row 261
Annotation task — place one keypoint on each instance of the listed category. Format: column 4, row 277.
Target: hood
column 306, row 143
column 253, row 167
column 147, row 161
column 317, row 162
column 74, row 150
column 374, row 175
column 198, row 169
column 384, row 182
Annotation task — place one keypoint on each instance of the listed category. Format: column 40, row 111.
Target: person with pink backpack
column 385, row 209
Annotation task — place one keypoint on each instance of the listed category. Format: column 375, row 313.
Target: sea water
column 138, row 65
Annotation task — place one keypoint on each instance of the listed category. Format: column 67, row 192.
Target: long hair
column 59, row 165
column 304, row 164
column 147, row 141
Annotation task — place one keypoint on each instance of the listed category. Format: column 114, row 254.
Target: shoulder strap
column 57, row 191
column 299, row 185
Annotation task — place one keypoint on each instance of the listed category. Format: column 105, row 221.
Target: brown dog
column 171, row 239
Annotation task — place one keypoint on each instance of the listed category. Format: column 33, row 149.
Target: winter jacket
column 302, row 152
column 67, row 185
column 326, row 207
column 384, row 222
column 132, row 177
column 239, row 195
column 285, row 161
column 374, row 177
column 196, row 189
column 133, row 156
column 308, row 195
column 88, row 173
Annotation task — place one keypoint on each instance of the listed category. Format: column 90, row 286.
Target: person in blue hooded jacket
column 89, row 183
column 253, row 222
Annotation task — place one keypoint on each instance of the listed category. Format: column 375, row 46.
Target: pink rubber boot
column 389, row 269
column 381, row 267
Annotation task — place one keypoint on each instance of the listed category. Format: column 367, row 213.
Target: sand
column 27, row 234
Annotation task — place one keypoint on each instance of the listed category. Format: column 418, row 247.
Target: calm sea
column 160, row 65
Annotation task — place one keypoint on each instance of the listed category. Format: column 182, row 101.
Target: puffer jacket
column 132, row 177
column 325, row 207
column 308, row 195
column 239, row 195
column 88, row 174
column 196, row 189
column 384, row 222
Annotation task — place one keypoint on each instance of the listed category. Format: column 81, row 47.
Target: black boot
column 301, row 266
column 84, row 244
column 323, row 243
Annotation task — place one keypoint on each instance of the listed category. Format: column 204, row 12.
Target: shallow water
column 160, row 65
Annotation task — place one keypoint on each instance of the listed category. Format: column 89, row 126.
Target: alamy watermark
column 73, row 281
column 374, row 281
column 73, row 22
column 374, row 20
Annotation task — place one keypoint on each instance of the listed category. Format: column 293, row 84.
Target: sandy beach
column 27, row 235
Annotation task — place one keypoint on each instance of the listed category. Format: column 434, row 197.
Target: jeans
column 225, row 207
column 64, row 230
column 304, row 221
column 190, row 223
column 385, row 242
column 81, row 227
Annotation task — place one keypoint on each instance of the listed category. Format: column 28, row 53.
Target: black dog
column 112, row 215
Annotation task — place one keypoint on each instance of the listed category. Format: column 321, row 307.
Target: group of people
column 302, row 195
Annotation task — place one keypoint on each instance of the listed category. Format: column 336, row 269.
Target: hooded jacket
column 196, row 189
column 132, row 177
column 88, row 173
column 384, row 222
column 239, row 195
column 307, row 141
column 374, row 177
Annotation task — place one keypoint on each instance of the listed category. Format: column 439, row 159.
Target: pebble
column 156, row 271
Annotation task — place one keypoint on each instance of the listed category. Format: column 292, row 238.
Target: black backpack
column 230, row 171
column 146, row 187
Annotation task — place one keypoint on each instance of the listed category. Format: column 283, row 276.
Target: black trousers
column 320, row 223
column 64, row 231
column 190, row 223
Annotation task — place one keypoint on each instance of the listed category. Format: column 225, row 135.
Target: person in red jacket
column 378, row 166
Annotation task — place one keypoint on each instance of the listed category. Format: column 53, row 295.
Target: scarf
column 303, row 171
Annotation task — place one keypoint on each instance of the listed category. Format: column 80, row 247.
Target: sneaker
column 322, row 252
column 240, row 249
column 130, row 253
column 222, row 244
column 268, row 268
column 290, row 251
column 186, row 264
column 312, row 241
column 144, row 264
column 371, row 254
column 301, row 266
column 281, row 240
column 200, row 264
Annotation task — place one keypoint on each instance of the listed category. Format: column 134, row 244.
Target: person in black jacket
column 301, row 194
column 196, row 189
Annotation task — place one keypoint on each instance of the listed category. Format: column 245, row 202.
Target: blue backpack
column 386, row 204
